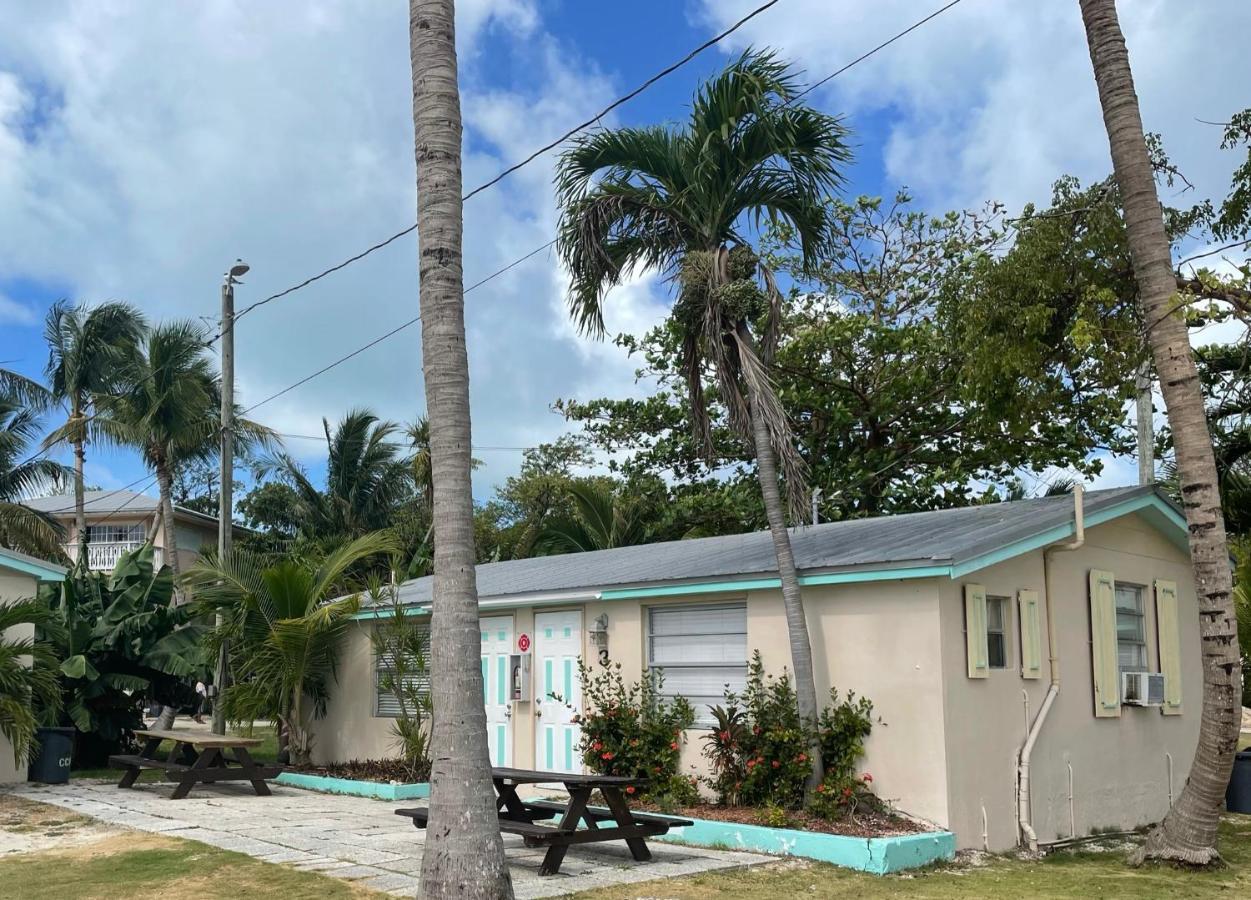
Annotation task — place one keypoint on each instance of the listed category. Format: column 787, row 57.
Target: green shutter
column 1104, row 663
column 1031, row 635
column 975, row 630
column 1168, row 635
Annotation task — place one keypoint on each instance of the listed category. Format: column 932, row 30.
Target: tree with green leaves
column 681, row 200
column 23, row 474
column 30, row 686
column 93, row 353
column 284, row 626
column 602, row 520
column 121, row 640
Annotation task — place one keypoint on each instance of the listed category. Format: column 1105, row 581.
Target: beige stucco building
column 120, row 521
column 939, row 618
column 20, row 576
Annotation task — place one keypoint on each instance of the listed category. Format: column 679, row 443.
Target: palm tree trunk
column 464, row 854
column 80, row 500
column 792, row 598
column 169, row 537
column 1188, row 832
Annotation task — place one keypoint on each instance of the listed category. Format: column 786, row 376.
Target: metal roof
column 947, row 537
column 109, row 503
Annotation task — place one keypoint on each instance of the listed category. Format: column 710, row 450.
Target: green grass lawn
column 267, row 752
column 1062, row 874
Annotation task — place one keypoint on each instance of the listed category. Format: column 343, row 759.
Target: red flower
column 755, row 729
column 634, row 742
column 597, row 746
column 868, row 779
column 776, row 764
column 803, row 757
column 606, row 755
column 657, row 770
column 673, row 745
column 630, row 789
column 846, row 792
column 725, row 735
column 820, row 789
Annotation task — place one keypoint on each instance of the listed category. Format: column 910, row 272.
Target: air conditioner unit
column 1142, row 688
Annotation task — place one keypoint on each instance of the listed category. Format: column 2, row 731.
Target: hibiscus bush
column 758, row 748
column 630, row 729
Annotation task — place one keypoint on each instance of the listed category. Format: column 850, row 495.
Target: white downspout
column 1023, row 795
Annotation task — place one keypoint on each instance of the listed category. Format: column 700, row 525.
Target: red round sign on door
column 523, row 643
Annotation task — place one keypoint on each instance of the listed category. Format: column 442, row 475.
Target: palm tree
column 92, row 352
column 464, row 854
column 21, row 475
column 169, row 412
column 679, row 199
column 29, row 670
column 367, row 478
column 284, row 629
column 1188, row 832
column 601, row 520
column 418, row 432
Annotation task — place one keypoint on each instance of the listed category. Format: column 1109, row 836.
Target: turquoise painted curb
column 880, row 855
column 375, row 789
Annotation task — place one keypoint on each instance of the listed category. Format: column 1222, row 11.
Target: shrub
column 630, row 730
column 402, row 647
column 758, row 749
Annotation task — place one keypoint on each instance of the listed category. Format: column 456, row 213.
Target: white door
column 497, row 644
column 557, row 646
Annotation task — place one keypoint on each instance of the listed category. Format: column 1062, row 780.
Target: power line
column 668, row 70
column 476, row 447
column 882, row 46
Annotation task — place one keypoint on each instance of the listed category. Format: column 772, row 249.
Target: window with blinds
column 386, row 704
column 699, row 651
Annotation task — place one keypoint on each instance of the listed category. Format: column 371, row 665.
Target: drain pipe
column 1023, row 794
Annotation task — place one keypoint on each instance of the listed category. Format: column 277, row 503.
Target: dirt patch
column 870, row 824
column 27, row 826
column 385, row 771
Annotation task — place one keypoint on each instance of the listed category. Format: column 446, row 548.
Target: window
column 386, row 704
column 113, row 534
column 997, row 618
column 1131, row 628
column 699, row 650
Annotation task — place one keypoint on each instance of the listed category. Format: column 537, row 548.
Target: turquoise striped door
column 557, row 646
column 497, row 644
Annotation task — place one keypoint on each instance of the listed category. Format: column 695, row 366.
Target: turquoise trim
column 549, row 734
column 567, row 693
column 501, row 680
column 373, row 789
column 762, row 584
column 879, row 856
column 569, row 748
column 547, row 679
column 41, row 570
column 501, row 744
column 486, row 696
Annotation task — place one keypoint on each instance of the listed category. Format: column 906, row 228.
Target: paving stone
column 392, row 883
column 352, row 873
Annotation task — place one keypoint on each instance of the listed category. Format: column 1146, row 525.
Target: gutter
column 1024, row 816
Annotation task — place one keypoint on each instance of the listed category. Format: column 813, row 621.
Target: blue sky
column 143, row 149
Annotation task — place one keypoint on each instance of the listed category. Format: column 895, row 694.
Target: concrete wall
column 1119, row 765
column 14, row 586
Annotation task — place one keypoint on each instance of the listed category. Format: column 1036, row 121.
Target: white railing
column 104, row 556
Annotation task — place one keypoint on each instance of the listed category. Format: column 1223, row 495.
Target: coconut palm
column 21, row 475
column 681, row 200
column 464, row 854
column 284, row 629
column 169, row 412
column 418, row 432
column 601, row 520
column 92, row 353
column 29, row 669
column 1188, row 831
column 367, row 478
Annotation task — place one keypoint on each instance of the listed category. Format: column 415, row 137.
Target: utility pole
column 1143, row 414
column 225, row 506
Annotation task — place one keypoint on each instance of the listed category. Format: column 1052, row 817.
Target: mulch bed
column 386, row 771
column 870, row 824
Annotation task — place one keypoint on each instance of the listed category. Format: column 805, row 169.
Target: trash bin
column 1238, row 794
column 50, row 763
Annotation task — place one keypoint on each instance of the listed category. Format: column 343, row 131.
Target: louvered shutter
column 975, row 630
column 386, row 703
column 1031, row 634
column 1104, row 662
column 1168, row 635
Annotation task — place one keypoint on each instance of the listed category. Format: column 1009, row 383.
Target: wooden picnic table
column 521, row 817
column 197, row 757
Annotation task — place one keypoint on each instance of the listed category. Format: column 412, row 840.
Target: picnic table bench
column 197, row 757
column 522, row 817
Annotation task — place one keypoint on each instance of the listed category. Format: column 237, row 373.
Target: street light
column 238, row 269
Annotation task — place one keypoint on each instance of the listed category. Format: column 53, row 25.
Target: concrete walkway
column 353, row 838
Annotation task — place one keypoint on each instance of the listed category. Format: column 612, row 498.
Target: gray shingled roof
column 948, row 537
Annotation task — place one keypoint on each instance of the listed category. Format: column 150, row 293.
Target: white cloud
column 14, row 313
column 143, row 148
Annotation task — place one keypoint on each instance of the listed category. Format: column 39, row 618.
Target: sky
column 144, row 147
